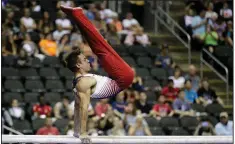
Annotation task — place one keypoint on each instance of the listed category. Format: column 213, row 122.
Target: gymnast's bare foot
column 85, row 139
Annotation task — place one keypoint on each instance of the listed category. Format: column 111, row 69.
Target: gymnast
column 87, row 85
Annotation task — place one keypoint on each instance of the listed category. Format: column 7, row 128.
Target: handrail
column 171, row 24
column 224, row 78
column 12, row 130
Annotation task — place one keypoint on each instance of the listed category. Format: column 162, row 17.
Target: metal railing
column 224, row 78
column 166, row 20
column 12, row 130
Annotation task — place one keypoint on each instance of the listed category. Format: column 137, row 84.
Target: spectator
column 6, row 119
column 205, row 128
column 161, row 109
column 192, row 75
column 62, row 109
column 67, row 3
column 70, row 128
column 226, row 12
column 35, row 6
column 137, row 83
column 164, row 60
column 106, row 121
column 210, row 13
column 65, row 45
column 9, row 46
column 188, row 18
column 29, row 46
column 210, row 38
column 220, row 27
column 118, row 128
column 91, row 12
column 58, row 33
column 117, row 22
column 142, row 104
column 48, row 46
column 112, row 36
column 190, row 95
column 91, row 111
column 228, row 34
column 48, row 129
column 137, row 37
column 45, row 22
column 225, row 126
column 64, row 22
column 208, row 95
column 129, row 21
column 169, row 91
column 42, row 109
column 10, row 22
column 16, row 111
column 27, row 21
column 105, row 13
column 178, row 79
column 100, row 24
column 92, row 130
column 120, row 104
column 102, row 107
column 139, row 129
column 181, row 106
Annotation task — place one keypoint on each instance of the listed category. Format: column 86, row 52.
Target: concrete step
column 165, row 38
column 181, row 58
column 177, row 15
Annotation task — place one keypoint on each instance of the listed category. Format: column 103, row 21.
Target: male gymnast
column 86, row 85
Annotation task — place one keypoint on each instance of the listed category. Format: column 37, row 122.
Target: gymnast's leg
column 112, row 63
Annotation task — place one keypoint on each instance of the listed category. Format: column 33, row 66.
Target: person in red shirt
column 169, row 91
column 42, row 109
column 48, row 129
column 161, row 109
column 102, row 107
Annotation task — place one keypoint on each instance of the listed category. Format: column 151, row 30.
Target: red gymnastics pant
column 112, row 63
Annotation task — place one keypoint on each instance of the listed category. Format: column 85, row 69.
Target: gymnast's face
column 83, row 63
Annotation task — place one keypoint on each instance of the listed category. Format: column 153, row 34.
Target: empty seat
column 36, row 63
column 61, row 124
column 54, row 86
column 68, row 85
column 130, row 61
column 36, row 15
column 198, row 108
column 34, row 86
column 151, row 97
column 153, row 51
column 145, row 62
column 10, row 73
column 142, row 72
column 52, row 97
column 14, row 86
column 9, row 60
column 121, row 50
column 189, row 122
column 214, row 109
column 159, row 73
column 9, row 96
column 22, row 126
column 48, row 73
column 152, row 122
column 179, row 132
column 151, row 83
column 38, row 123
column 169, row 122
column 65, row 73
column 29, row 73
column 31, row 97
column 51, row 61
column 156, row 131
column 137, row 50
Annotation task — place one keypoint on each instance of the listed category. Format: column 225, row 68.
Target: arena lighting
column 116, row 139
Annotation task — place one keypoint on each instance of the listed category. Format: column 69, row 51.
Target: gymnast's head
column 77, row 62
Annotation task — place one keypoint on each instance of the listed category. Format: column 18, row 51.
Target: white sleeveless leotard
column 105, row 87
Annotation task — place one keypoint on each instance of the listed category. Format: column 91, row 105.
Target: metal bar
column 12, row 130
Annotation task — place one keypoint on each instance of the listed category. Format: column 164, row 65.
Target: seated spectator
column 58, row 33
column 100, row 24
column 10, row 22
column 48, row 129
column 190, row 95
column 210, row 38
column 42, row 109
column 137, row 83
column 208, row 95
column 6, row 119
column 225, row 126
column 45, row 22
column 188, row 18
column 178, row 79
column 112, row 36
column 106, row 122
column 205, row 128
column 169, row 91
column 16, row 111
column 64, row 44
column 120, row 104
column 137, row 37
column 64, row 22
column 91, row 111
column 142, row 104
column 164, row 60
column 27, row 21
column 181, row 106
column 228, row 34
column 62, row 109
column 29, row 46
column 220, row 26
column 91, row 11
column 139, row 129
column 102, row 107
column 192, row 75
column 129, row 21
column 9, row 46
column 118, row 128
column 105, row 13
column 161, row 109
column 92, row 130
column 67, row 3
column 117, row 22
column 48, row 46
column 35, row 7
column 226, row 12
column 70, row 128
column 210, row 13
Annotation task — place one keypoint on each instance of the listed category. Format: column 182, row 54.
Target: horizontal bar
column 116, row 139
